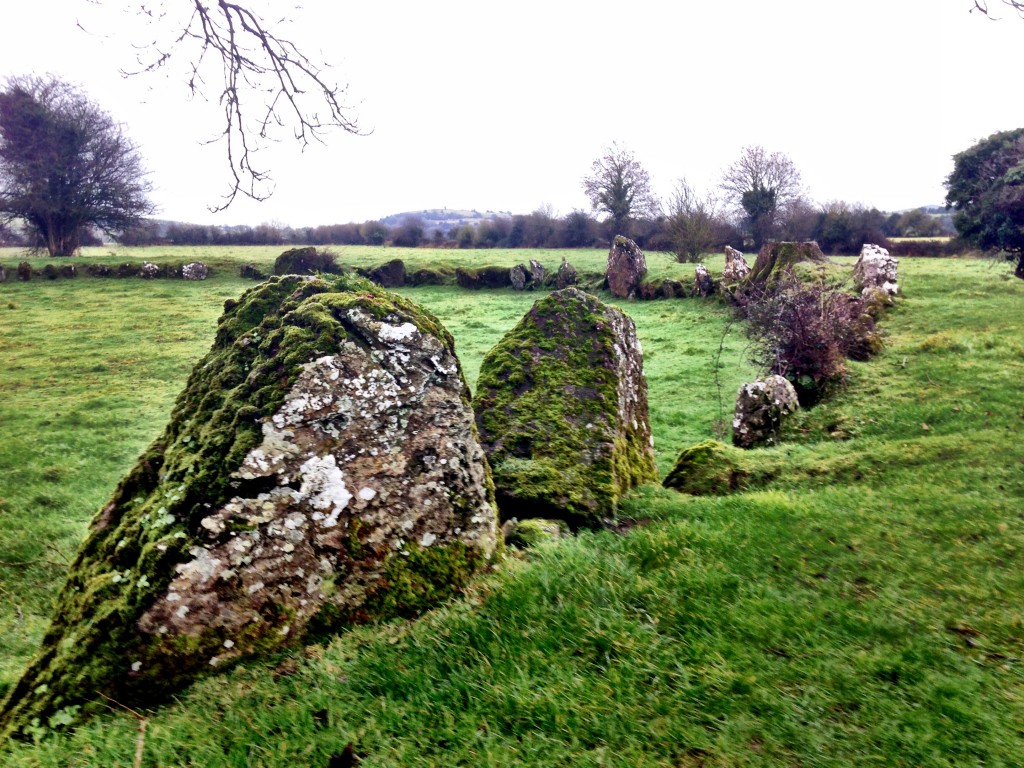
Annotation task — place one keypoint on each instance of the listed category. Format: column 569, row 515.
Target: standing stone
column 876, row 270
column 561, row 407
column 775, row 259
column 519, row 277
column 24, row 271
column 3, row 274
column 566, row 275
column 320, row 469
column 149, row 270
column 537, row 274
column 736, row 267
column 626, row 268
column 68, row 270
column 195, row 270
column 761, row 408
column 391, row 274
column 703, row 285
column 251, row 272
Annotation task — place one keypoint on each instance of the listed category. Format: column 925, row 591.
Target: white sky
column 503, row 106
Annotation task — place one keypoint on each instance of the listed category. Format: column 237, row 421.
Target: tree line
column 68, row 172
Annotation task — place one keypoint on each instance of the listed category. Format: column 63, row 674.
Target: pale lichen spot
column 427, row 539
column 401, row 332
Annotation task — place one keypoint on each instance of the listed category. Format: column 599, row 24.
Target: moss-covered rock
column 390, row 274
column 306, row 261
column 709, row 468
column 775, row 259
column 320, row 468
column 431, row 277
column 561, row 405
column 484, row 277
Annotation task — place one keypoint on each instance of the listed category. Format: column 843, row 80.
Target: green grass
column 861, row 606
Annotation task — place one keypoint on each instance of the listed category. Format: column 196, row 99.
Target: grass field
column 863, row 606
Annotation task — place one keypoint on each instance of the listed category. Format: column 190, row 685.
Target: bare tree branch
column 982, row 7
column 266, row 82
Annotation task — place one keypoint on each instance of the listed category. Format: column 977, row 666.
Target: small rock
column 566, row 275
column 710, row 468
column 703, row 285
column 524, row 534
column 195, row 270
column 761, row 408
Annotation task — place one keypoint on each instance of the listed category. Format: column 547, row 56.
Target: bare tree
column 262, row 80
column 65, row 165
column 620, row 187
column 692, row 222
column 762, row 185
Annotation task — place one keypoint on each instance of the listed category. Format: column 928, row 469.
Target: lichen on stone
column 320, row 468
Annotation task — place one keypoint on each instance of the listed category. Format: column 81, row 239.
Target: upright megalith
column 626, row 268
column 561, row 405
column 876, row 270
column 774, row 259
column 736, row 267
column 566, row 275
column 321, row 468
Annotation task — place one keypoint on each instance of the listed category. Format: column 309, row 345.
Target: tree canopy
column 762, row 185
column 65, row 165
column 620, row 187
column 986, row 191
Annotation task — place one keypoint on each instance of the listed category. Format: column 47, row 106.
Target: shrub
column 804, row 330
column 306, row 261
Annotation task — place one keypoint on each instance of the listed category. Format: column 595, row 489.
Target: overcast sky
column 503, row 106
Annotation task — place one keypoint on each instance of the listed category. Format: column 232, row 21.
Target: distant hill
column 444, row 219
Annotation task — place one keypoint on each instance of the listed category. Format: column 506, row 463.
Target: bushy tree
column 620, row 187
column 986, row 190
column 762, row 185
column 66, row 165
column 692, row 222
column 409, row 234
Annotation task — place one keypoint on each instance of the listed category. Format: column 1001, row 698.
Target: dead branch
column 255, row 62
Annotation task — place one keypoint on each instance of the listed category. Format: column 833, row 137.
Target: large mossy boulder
column 561, row 405
column 321, row 468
